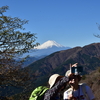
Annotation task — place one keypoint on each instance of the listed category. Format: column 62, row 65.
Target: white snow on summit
column 45, row 49
column 48, row 44
column 42, row 50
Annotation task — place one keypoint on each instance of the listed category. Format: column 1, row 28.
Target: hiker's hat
column 68, row 73
column 53, row 79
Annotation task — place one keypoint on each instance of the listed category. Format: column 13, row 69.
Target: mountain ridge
column 49, row 46
column 58, row 62
column 42, row 51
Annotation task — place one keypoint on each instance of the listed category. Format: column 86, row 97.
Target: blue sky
column 68, row 22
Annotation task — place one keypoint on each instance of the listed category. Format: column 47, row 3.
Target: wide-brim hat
column 53, row 79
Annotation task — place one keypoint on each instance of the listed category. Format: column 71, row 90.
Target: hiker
column 57, row 84
column 77, row 91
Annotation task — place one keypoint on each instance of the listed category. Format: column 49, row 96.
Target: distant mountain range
column 58, row 62
column 43, row 50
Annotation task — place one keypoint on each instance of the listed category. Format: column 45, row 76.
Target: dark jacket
column 52, row 93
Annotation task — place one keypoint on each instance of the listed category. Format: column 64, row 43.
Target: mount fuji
column 49, row 44
column 43, row 50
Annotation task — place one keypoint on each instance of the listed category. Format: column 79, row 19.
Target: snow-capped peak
column 48, row 44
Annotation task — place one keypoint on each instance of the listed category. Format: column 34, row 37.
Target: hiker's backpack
column 38, row 93
column 83, row 85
